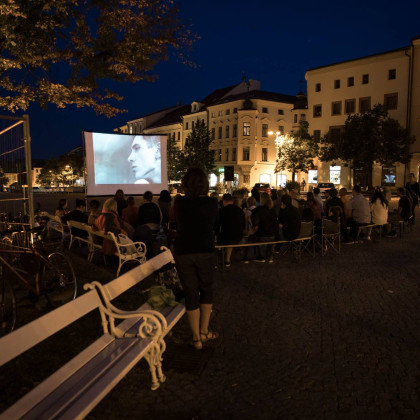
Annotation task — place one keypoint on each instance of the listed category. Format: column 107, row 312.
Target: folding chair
column 304, row 240
column 330, row 236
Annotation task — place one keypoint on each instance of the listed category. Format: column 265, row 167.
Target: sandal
column 197, row 344
column 209, row 335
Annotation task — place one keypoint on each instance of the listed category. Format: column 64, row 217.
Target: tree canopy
column 196, row 152
column 61, row 52
column 369, row 137
column 297, row 151
column 63, row 170
column 173, row 157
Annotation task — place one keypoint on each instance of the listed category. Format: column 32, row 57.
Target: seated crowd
column 259, row 218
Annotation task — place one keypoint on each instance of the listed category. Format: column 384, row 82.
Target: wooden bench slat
column 29, row 335
column 68, row 400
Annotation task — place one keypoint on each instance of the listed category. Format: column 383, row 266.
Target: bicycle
column 43, row 270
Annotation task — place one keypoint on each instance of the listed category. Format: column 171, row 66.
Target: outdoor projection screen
column 134, row 163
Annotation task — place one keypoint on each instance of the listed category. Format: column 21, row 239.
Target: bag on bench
column 128, row 243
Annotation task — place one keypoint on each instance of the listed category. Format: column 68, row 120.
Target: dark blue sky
column 271, row 41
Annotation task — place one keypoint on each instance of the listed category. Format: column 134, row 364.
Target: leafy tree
column 297, row 151
column 60, row 52
column 196, row 152
column 173, row 158
column 369, row 137
column 62, row 170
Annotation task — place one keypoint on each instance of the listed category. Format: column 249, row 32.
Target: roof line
column 360, row 58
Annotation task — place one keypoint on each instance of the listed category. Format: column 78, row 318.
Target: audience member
column 345, row 198
column 194, row 252
column 256, row 194
column 289, row 220
column 121, row 201
column 60, row 211
column 251, row 205
column 130, row 213
column 149, row 213
column 413, row 192
column 359, row 210
column 317, row 197
column 164, row 202
column 333, row 201
column 94, row 211
column 232, row 224
column 78, row 215
column 316, row 210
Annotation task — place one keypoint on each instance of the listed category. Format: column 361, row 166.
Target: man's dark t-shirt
column 290, row 218
column 232, row 223
column 405, row 205
column 266, row 220
column 77, row 216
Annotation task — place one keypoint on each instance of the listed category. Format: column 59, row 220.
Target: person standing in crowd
column 317, row 197
column 164, row 202
column 119, row 197
column 413, row 191
column 78, row 215
column 196, row 217
column 251, row 205
column 289, row 220
column 256, row 194
column 403, row 212
column 232, row 224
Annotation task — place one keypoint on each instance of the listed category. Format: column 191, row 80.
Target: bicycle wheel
column 8, row 308
column 58, row 281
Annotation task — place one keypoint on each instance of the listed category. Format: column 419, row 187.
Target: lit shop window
column 312, row 176
column 335, row 174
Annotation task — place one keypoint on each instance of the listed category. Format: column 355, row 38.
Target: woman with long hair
column 119, row 197
column 196, row 218
column 379, row 208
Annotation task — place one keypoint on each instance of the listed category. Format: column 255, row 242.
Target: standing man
column 145, row 160
column 413, row 191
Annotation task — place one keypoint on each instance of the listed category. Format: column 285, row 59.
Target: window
column 281, row 180
column 213, row 133
column 295, row 117
column 364, row 104
column 392, row 74
column 213, row 114
column 335, row 174
column 302, row 117
column 317, row 110
column 220, row 113
column 391, row 100
column 234, row 154
column 227, row 131
column 235, row 110
column 265, row 179
column 179, row 135
column 281, row 112
column 227, row 112
column 192, row 125
column 365, row 79
column 335, row 133
column 337, row 84
column 247, row 129
column 265, row 110
column 317, row 87
column 245, row 153
column 226, row 155
column 350, row 106
column 220, row 133
column 264, row 132
column 264, row 155
column 173, row 136
column 130, row 129
column 336, row 108
column 219, row 154
column 281, row 129
column 350, row 81
column 312, row 176
column 186, row 125
column 317, row 135
column 235, row 130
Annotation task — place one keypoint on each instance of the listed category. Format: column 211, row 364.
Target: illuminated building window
column 245, row 153
column 264, row 155
column 246, row 129
column 335, row 174
column 264, row 132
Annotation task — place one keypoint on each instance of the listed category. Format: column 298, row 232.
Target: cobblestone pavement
column 332, row 337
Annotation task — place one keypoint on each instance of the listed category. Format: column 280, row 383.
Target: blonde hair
column 110, row 205
column 265, row 200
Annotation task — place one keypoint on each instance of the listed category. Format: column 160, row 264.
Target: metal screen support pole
column 28, row 165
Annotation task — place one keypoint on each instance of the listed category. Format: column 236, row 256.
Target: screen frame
column 98, row 190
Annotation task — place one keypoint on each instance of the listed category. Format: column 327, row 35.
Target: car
column 263, row 187
column 325, row 186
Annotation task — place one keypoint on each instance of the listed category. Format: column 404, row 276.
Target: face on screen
column 144, row 158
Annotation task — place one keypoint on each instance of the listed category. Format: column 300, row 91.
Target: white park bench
column 77, row 387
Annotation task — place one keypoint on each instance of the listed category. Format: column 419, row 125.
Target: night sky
column 271, row 41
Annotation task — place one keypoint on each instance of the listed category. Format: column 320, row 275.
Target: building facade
column 335, row 91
